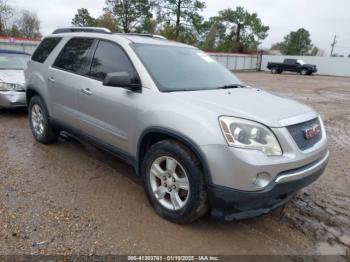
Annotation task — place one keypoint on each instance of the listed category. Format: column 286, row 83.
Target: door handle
column 86, row 91
column 51, row 79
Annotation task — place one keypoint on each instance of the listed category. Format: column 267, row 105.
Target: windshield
column 13, row 61
column 183, row 69
column 301, row 62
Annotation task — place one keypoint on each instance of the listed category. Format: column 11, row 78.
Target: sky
column 322, row 18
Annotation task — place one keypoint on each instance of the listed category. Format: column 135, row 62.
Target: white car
column 12, row 64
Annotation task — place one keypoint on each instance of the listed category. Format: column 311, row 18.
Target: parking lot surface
column 71, row 198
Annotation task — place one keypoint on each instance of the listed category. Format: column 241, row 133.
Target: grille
column 297, row 132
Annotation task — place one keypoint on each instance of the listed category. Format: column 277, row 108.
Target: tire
column 274, row 70
column 279, row 71
column 304, row 72
column 39, row 121
column 193, row 202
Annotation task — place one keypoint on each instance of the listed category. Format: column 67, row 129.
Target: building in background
column 27, row 45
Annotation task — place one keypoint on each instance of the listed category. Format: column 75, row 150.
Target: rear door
column 65, row 79
column 108, row 113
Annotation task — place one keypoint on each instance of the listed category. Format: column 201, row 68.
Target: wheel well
column 151, row 138
column 29, row 94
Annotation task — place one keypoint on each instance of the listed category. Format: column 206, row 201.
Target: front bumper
column 230, row 204
column 10, row 99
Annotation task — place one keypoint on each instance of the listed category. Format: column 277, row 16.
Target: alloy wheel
column 169, row 183
column 38, row 122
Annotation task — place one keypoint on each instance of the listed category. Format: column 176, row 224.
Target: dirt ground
column 71, row 198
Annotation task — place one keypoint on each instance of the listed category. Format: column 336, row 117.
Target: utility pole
column 333, row 44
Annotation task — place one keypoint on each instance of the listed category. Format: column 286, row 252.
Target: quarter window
column 110, row 58
column 74, row 55
column 45, row 48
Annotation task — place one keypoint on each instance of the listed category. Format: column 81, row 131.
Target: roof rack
column 100, row 30
column 146, row 35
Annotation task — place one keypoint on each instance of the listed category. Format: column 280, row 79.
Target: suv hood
column 12, row 76
column 249, row 103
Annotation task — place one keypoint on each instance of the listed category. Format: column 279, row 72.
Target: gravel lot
column 71, row 198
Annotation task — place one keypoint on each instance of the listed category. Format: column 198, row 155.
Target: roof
column 8, row 51
column 100, row 32
column 148, row 39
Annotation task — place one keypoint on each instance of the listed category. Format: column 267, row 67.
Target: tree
column 129, row 14
column 181, row 15
column 315, row 51
column 28, row 25
column 107, row 20
column 296, row 43
column 6, row 13
column 149, row 26
column 244, row 30
column 83, row 18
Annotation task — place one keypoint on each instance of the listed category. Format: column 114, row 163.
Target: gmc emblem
column 312, row 131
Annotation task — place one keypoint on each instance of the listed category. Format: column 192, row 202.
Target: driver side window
column 109, row 58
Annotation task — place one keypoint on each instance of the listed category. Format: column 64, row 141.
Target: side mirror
column 122, row 79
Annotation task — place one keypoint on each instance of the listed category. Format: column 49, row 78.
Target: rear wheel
column 274, row 70
column 174, row 182
column 40, row 125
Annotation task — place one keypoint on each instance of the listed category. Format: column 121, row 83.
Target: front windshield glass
column 301, row 62
column 13, row 61
column 176, row 68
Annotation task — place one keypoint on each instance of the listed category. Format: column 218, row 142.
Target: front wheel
column 40, row 125
column 174, row 182
column 304, row 72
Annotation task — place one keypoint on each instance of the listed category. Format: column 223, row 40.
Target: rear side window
column 74, row 55
column 290, row 61
column 45, row 48
column 109, row 58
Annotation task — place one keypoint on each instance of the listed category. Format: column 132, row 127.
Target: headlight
column 249, row 134
column 11, row 87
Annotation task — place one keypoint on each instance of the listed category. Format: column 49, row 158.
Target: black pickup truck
column 292, row 65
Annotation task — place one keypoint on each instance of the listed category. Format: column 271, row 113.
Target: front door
column 108, row 113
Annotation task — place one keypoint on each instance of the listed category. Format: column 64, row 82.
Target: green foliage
column 22, row 23
column 129, row 14
column 180, row 19
column 244, row 31
column 314, row 51
column 296, row 43
column 83, row 18
column 107, row 20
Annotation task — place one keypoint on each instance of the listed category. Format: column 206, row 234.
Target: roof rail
column 146, row 35
column 101, row 30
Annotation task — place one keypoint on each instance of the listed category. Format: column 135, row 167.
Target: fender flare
column 183, row 139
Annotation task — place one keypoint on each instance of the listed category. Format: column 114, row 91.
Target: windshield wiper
column 230, row 86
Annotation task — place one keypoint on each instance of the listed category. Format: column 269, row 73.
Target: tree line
column 231, row 30
column 18, row 23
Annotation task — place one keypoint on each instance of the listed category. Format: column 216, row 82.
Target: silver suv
column 200, row 139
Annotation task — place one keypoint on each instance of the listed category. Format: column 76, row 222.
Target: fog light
column 262, row 179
